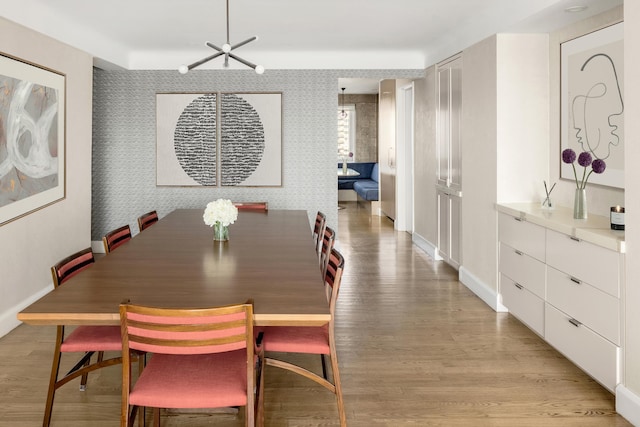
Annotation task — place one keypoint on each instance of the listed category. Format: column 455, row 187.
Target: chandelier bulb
column 226, row 48
column 259, row 69
column 183, row 69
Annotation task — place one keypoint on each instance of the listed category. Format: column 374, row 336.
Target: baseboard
column 426, row 246
column 9, row 320
column 628, row 404
column 484, row 292
column 97, row 246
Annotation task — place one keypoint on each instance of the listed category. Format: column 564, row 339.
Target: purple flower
column 598, row 165
column 584, row 159
column 568, row 156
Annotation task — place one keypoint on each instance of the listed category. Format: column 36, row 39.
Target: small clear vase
column 580, row 204
column 220, row 232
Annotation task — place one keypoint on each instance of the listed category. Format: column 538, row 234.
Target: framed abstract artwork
column 32, row 138
column 591, row 102
column 219, row 139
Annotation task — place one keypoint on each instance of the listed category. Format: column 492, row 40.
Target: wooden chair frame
column 255, row 387
column 318, row 230
column 333, row 278
column 326, row 245
column 60, row 272
column 147, row 220
column 113, row 239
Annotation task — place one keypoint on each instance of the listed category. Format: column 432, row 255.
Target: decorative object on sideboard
column 546, row 203
column 617, row 217
column 219, row 215
column 585, row 160
column 226, row 51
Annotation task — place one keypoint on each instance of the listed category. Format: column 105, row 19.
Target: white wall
column 29, row 246
column 629, row 407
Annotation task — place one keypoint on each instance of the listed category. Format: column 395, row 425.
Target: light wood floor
column 416, row 348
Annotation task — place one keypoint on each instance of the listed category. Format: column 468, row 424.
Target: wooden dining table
column 269, row 258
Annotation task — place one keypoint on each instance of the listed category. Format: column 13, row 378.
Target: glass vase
column 580, row 204
column 220, row 232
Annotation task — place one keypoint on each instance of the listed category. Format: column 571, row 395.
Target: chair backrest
column 115, row 238
column 318, row 229
column 333, row 277
column 251, row 206
column 328, row 240
column 71, row 265
column 187, row 331
column 147, row 220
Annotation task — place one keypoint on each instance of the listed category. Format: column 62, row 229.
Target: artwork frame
column 32, row 137
column 219, row 139
column 592, row 103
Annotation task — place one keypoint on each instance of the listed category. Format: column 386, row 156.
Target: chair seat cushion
column 294, row 339
column 193, row 381
column 93, row 338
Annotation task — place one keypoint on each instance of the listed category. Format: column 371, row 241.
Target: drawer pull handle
column 517, row 218
column 518, row 252
column 575, row 322
column 576, row 281
column 518, row 285
column 574, row 238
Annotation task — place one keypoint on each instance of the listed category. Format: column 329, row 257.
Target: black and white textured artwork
column 194, row 139
column 242, row 139
column 249, row 152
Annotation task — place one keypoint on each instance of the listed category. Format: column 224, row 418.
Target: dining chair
column 328, row 240
column 83, row 339
column 147, row 220
column 309, row 339
column 318, row 229
column 200, row 358
column 251, row 206
column 116, row 238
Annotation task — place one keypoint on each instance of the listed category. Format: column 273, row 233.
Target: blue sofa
column 366, row 184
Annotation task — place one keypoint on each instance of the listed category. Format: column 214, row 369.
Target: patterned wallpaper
column 124, row 141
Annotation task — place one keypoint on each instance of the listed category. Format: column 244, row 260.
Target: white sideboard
column 563, row 278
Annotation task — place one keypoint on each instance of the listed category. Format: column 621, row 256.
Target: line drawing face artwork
column 592, row 104
column 597, row 114
column 219, row 139
column 31, row 138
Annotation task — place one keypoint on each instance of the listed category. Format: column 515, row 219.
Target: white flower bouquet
column 221, row 211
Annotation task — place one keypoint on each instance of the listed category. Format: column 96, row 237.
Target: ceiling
column 293, row 34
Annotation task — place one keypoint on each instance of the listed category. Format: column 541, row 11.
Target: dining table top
column 269, row 258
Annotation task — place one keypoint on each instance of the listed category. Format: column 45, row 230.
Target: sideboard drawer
column 585, row 303
column 523, row 269
column 592, row 353
column 522, row 235
column 585, row 261
column 526, row 306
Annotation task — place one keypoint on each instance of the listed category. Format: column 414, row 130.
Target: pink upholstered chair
column 311, row 340
column 318, row 230
column 116, row 238
column 83, row 339
column 201, row 358
column 251, row 206
column 147, row 220
column 328, row 240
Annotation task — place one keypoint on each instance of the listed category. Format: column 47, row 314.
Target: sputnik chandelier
column 225, row 50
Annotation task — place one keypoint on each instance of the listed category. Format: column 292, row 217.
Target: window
column 347, row 133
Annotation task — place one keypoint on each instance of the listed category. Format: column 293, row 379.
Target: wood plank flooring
column 416, row 348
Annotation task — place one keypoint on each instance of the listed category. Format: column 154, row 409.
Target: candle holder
column 617, row 218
